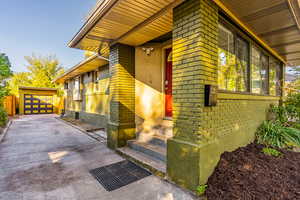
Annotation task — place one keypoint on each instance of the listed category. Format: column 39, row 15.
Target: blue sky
column 42, row 27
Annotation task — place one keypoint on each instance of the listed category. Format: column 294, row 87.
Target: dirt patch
column 45, row 177
column 247, row 173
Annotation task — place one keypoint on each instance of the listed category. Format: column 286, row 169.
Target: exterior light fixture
column 148, row 50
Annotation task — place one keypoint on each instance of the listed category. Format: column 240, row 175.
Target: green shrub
column 278, row 113
column 3, row 117
column 292, row 106
column 271, row 152
column 273, row 133
column 200, row 190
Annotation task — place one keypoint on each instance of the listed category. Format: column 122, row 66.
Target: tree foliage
column 5, row 72
column 41, row 72
column 19, row 79
column 5, row 67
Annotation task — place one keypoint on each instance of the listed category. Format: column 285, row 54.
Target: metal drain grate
column 119, row 174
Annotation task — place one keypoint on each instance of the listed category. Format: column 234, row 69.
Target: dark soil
column 247, row 173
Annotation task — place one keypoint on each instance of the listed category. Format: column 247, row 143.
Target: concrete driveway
column 42, row 158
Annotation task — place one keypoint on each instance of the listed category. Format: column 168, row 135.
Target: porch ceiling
column 131, row 22
column 277, row 22
column 87, row 65
column 274, row 23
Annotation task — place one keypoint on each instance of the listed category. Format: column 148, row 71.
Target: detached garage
column 34, row 100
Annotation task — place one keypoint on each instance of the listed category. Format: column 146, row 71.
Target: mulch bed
column 247, row 173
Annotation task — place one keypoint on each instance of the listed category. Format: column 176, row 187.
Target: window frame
column 239, row 33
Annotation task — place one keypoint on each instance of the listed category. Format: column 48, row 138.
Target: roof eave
column 95, row 16
column 62, row 78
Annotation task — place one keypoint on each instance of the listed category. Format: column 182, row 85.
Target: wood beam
column 97, row 38
column 279, row 31
column 294, row 8
column 148, row 20
column 265, row 12
column 286, row 44
column 293, row 59
column 289, row 53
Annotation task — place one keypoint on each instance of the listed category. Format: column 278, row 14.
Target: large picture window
column 259, row 73
column 233, row 61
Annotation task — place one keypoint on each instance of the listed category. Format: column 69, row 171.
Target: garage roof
column 37, row 88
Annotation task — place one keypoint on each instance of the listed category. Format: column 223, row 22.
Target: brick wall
column 121, row 125
column 194, row 64
column 202, row 134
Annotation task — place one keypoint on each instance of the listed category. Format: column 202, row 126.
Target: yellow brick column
column 195, row 34
column 121, row 123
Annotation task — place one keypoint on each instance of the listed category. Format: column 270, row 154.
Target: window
column 233, row 61
column 274, row 77
column 77, row 83
column 259, row 71
column 238, row 72
column 242, row 53
column 76, row 92
column 102, row 73
column 66, row 85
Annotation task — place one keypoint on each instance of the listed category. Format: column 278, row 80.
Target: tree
column 5, row 73
column 19, row 79
column 41, row 72
column 5, row 67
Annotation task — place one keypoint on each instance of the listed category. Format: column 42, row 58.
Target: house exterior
column 86, row 91
column 188, row 80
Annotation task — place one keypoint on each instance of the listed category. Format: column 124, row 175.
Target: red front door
column 168, row 83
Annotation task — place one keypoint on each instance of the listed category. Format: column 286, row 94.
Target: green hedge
column 3, row 117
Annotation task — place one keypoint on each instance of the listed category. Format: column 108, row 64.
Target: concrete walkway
column 42, row 158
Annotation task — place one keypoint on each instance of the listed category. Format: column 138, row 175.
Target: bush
column 273, row 133
column 3, row 117
column 292, row 106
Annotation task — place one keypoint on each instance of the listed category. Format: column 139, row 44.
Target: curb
column 78, row 128
column 2, row 136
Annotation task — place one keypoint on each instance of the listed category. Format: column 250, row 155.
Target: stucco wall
column 149, row 102
column 93, row 108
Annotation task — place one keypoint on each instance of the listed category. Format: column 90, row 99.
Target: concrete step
column 158, row 139
column 152, row 150
column 155, row 166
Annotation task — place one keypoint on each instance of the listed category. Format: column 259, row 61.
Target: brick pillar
column 195, row 34
column 121, row 123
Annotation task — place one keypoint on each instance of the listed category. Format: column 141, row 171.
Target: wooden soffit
column 131, row 22
column 275, row 22
column 90, row 64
